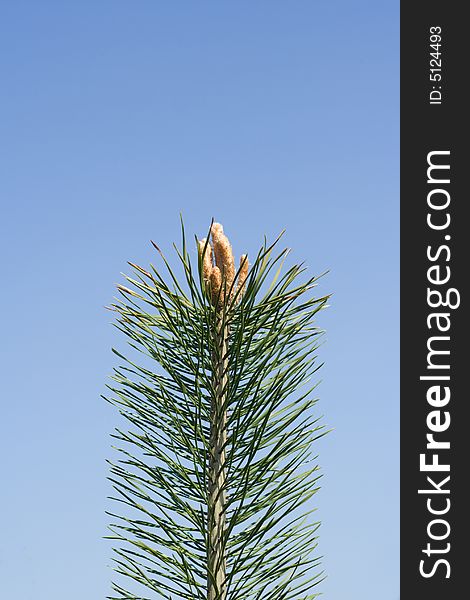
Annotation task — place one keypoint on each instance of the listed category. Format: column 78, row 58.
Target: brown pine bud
column 216, row 284
column 223, row 255
column 206, row 259
column 242, row 275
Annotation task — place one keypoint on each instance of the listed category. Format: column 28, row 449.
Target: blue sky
column 114, row 117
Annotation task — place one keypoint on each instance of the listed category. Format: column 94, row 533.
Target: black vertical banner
column 435, row 257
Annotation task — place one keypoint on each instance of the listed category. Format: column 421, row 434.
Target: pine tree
column 216, row 463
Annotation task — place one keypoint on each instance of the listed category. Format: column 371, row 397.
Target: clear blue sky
column 117, row 115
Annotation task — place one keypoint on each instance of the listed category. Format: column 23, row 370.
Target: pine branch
column 217, row 476
column 217, row 464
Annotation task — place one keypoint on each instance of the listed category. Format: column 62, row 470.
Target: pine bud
column 216, row 284
column 242, row 275
column 206, row 259
column 223, row 255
